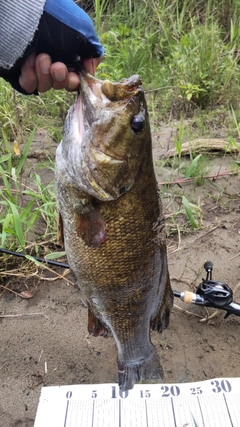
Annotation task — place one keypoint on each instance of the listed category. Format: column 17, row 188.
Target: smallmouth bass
column 112, row 220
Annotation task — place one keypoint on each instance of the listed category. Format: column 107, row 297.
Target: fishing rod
column 209, row 293
column 43, row 260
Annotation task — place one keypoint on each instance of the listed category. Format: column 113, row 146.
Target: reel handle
column 208, row 266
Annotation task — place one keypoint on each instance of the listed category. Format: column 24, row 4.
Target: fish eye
column 137, row 124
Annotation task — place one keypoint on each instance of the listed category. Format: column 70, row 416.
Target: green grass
column 179, row 45
column 20, row 114
column 21, row 205
column 178, row 141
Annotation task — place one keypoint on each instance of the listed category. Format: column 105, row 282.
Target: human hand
column 39, row 73
column 65, row 33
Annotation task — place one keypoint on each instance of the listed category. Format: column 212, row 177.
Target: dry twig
column 186, row 311
column 184, row 180
column 2, row 316
column 201, row 145
column 235, row 256
column 193, row 241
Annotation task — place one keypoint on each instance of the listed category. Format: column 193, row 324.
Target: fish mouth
column 124, row 89
column 83, row 125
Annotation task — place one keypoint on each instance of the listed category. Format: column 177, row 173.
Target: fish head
column 107, row 136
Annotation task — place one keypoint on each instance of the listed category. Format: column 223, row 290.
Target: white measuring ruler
column 210, row 403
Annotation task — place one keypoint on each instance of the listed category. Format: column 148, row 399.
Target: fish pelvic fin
column 60, row 230
column 95, row 327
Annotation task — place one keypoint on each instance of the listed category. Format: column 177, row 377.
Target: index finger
column 28, row 78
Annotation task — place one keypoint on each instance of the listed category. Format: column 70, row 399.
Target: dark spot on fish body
column 91, row 228
column 123, row 190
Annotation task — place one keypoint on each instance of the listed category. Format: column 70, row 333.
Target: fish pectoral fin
column 91, row 227
column 95, row 326
column 60, row 230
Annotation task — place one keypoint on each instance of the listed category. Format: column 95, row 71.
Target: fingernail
column 45, row 64
column 60, row 74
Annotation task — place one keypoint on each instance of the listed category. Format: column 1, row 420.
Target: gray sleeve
column 18, row 22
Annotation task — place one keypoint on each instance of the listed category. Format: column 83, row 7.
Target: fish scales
column 112, row 220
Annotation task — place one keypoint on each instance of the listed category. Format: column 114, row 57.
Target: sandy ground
column 47, row 342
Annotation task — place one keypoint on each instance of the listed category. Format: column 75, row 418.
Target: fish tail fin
column 131, row 373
